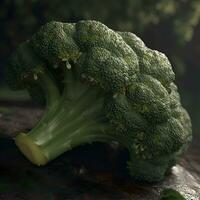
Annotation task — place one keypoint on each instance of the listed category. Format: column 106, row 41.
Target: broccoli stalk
column 71, row 119
column 101, row 85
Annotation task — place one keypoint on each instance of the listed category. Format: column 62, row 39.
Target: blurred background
column 170, row 26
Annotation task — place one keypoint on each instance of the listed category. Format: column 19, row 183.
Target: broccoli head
column 101, row 85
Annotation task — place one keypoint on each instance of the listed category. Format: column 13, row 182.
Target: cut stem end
column 30, row 149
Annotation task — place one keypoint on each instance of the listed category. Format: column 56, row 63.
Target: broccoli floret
column 109, row 87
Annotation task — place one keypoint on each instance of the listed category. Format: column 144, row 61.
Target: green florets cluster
column 102, row 85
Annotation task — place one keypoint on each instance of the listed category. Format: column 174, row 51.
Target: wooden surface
column 89, row 172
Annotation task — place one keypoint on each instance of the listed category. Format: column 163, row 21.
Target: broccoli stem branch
column 52, row 95
column 71, row 119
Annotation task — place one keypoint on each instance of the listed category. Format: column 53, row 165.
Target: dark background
column 170, row 26
column 96, row 171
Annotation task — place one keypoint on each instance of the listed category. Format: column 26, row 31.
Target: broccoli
column 100, row 85
column 169, row 194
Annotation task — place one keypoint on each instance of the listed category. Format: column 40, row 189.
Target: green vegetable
column 170, row 194
column 101, row 85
